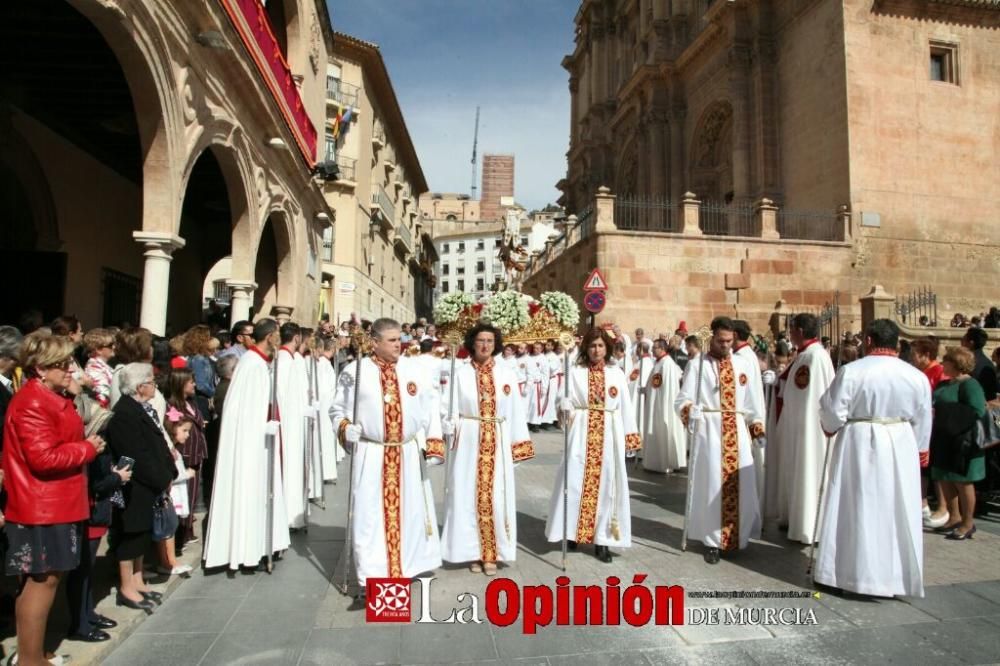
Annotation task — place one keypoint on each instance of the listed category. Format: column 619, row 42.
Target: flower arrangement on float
column 520, row 318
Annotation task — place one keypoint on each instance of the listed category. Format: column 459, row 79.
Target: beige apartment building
column 783, row 154
column 143, row 142
column 378, row 257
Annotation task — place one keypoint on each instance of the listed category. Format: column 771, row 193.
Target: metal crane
column 475, row 145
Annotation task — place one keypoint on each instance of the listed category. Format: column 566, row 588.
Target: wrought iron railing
column 810, row 225
column 918, row 308
column 634, row 213
column 345, row 93
column 720, row 219
column 381, row 199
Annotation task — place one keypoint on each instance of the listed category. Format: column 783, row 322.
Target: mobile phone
column 125, row 463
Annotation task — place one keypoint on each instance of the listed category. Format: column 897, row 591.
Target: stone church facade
column 871, row 126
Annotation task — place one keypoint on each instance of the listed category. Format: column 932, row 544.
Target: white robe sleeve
column 633, row 440
column 923, row 419
column 521, row 445
column 835, row 405
column 754, row 407
column 434, row 447
column 688, row 393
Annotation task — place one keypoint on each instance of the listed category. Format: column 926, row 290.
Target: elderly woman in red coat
column 45, row 457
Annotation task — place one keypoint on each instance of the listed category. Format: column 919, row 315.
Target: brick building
column 498, row 182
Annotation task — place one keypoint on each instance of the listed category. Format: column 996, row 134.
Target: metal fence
column 646, row 214
column 810, row 225
column 586, row 221
column 345, row 93
column 719, row 219
column 918, row 308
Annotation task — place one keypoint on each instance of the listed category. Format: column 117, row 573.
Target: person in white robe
column 870, row 534
column 810, row 376
column 237, row 522
column 293, row 405
column 744, row 349
column 602, row 429
column 665, row 438
column 310, row 424
column 523, row 379
column 491, row 437
column 394, row 530
column 639, row 377
column 554, row 361
column 725, row 416
column 326, row 380
column 538, row 387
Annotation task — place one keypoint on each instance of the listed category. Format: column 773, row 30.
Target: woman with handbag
column 136, row 432
column 956, row 440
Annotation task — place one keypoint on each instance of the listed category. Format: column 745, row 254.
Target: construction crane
column 475, row 145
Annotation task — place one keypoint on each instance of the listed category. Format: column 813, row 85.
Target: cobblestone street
column 295, row 616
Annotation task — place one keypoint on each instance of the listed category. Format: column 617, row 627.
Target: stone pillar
column 678, row 166
column 844, row 215
column 241, row 298
column 656, row 132
column 604, row 209
column 282, row 313
column 160, row 246
column 877, row 304
column 739, row 88
column 572, row 222
column 767, row 219
column 690, row 215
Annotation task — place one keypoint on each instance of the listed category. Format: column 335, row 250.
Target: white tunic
column 538, row 389
column 755, row 386
column 871, row 535
column 665, row 438
column 637, row 379
column 394, row 529
column 480, row 520
column 293, row 402
column 809, row 378
column 556, row 372
column 237, row 521
column 329, row 449
column 602, row 429
column 725, row 510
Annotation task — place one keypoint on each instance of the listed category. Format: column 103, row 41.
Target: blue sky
column 447, row 56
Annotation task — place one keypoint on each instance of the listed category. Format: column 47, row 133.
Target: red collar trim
column 380, row 363
column 807, row 344
column 287, row 349
column 488, row 365
column 741, row 346
column 882, row 351
column 255, row 349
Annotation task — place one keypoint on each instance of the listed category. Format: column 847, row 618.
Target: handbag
column 991, row 427
column 165, row 519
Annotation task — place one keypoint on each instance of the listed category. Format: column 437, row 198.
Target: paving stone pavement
column 295, row 616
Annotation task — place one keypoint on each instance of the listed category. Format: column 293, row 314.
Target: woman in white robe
column 665, row 447
column 602, row 428
column 326, row 379
column 491, row 436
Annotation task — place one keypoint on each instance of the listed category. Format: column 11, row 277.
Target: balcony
column 344, row 93
column 403, row 239
column 346, row 170
column 383, row 208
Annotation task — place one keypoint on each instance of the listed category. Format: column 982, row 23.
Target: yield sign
column 595, row 281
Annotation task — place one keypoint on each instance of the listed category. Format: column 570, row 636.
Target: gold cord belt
column 879, row 420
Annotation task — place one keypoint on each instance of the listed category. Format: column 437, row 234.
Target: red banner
column 251, row 22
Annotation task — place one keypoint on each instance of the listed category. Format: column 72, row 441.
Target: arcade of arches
column 134, row 156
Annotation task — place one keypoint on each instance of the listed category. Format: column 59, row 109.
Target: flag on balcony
column 341, row 122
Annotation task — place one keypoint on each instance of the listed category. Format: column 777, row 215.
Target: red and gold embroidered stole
column 392, row 457
column 486, row 466
column 730, row 457
column 591, row 490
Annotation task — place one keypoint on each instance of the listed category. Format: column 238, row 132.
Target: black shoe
column 712, row 555
column 95, row 636
column 155, row 597
column 570, row 545
column 122, row 600
column 602, row 553
column 102, row 622
column 955, row 536
column 532, row 428
column 359, row 602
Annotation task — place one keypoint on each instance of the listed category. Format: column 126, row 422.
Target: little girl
column 181, row 396
column 178, row 428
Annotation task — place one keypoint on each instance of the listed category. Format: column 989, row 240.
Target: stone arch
column 273, row 262
column 17, row 157
column 711, row 159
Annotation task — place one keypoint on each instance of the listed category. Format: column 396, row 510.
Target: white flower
column 507, row 311
column 562, row 307
column 450, row 307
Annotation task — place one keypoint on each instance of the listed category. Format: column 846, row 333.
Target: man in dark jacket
column 985, row 372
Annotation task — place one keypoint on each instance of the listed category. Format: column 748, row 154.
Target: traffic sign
column 595, row 301
column 595, row 281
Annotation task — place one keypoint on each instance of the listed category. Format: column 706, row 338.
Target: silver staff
column 819, row 508
column 310, row 423
column 270, row 443
column 348, row 545
column 693, row 453
column 565, row 457
column 319, row 433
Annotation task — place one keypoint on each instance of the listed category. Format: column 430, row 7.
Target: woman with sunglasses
column 45, row 461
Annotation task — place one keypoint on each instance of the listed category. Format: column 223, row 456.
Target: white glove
column 352, row 434
column 447, row 427
column 272, row 428
column 695, row 415
column 768, row 377
column 433, row 461
column 566, row 406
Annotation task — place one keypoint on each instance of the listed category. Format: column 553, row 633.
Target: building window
column 480, row 284
column 461, row 246
column 331, row 149
column 461, row 285
column 459, row 270
column 497, row 242
column 481, row 266
column 480, row 244
column 524, row 240
column 451, row 218
column 444, row 287
column 444, row 269
column 944, row 62
column 444, row 248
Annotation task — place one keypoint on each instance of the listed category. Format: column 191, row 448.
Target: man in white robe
column 237, row 522
column 556, row 376
column 491, row 436
column 538, row 387
column 523, row 384
column 638, row 379
column 809, row 377
column 394, row 530
column 871, row 534
column 293, row 406
column 744, row 349
column 326, row 379
column 665, row 438
column 725, row 510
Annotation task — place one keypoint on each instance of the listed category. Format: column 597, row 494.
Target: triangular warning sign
column 595, row 281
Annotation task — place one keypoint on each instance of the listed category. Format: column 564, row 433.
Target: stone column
column 690, row 215
column 656, row 120
column 767, row 219
column 844, row 215
column 282, row 313
column 739, row 86
column 877, row 304
column 604, row 209
column 678, row 165
column 241, row 298
column 160, row 246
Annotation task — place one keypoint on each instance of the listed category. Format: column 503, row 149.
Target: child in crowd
column 178, row 428
column 99, row 344
column 181, row 396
